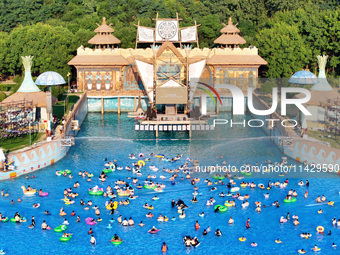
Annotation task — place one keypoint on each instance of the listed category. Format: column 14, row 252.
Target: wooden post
column 102, row 106
column 118, row 105
column 135, row 103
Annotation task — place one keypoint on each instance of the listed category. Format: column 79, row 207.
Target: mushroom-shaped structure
column 303, row 77
column 50, row 79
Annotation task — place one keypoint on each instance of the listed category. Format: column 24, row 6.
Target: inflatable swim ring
column 292, row 200
column 99, row 192
column 254, row 244
column 234, row 189
column 90, row 222
column 159, row 155
column 43, row 194
column 243, row 185
column 154, row 231
column 302, row 252
column 242, row 239
column 60, row 228
column 149, row 187
column 105, row 171
column 320, row 229
column 31, row 192
column 222, row 208
column 158, row 190
column 123, row 194
column 65, row 239
column 141, row 163
column 217, row 177
column 5, row 219
column 117, row 242
column 227, row 203
column 67, row 171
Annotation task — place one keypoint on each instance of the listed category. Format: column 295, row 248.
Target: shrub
column 2, row 96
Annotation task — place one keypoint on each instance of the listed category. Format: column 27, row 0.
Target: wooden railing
column 71, row 116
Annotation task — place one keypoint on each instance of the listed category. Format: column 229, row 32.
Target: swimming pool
column 114, row 138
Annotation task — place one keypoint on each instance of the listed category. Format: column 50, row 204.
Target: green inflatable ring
column 218, row 177
column 21, row 219
column 148, row 187
column 107, row 171
column 290, row 201
column 5, row 220
column 67, row 171
column 117, row 242
column 222, row 208
column 96, row 193
column 65, row 239
column 60, row 228
column 248, row 174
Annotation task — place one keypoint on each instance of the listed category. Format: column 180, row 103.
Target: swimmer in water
column 141, row 224
column 93, row 240
column 218, row 232
column 231, row 221
column 248, row 223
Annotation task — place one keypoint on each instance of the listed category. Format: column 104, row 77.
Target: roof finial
column 104, row 21
column 230, row 22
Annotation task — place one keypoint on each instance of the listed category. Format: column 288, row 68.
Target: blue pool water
column 114, row 137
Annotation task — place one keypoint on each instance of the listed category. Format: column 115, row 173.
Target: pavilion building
column 113, row 79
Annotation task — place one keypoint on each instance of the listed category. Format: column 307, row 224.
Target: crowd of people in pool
column 184, row 172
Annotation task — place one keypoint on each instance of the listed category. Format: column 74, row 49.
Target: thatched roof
column 104, row 35
column 230, row 39
column 104, row 39
column 38, row 99
column 104, row 28
column 230, row 28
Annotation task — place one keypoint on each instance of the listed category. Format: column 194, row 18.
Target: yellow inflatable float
column 114, row 206
column 28, row 192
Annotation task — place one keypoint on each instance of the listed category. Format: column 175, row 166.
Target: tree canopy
column 288, row 33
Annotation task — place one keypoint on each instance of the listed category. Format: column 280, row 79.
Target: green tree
column 3, row 47
column 283, row 48
column 2, row 96
column 52, row 48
